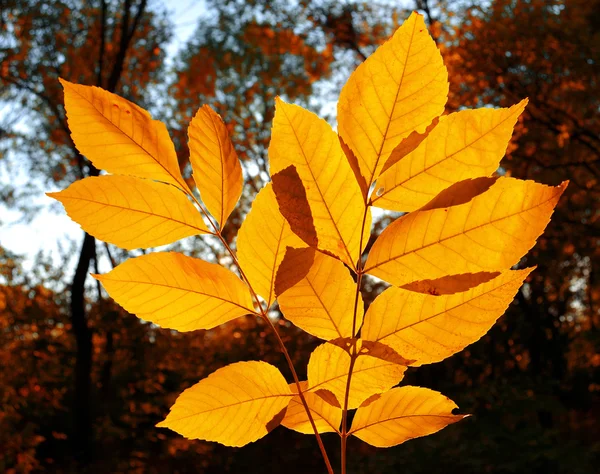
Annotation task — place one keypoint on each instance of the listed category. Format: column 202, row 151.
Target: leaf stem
column 264, row 315
column 353, row 353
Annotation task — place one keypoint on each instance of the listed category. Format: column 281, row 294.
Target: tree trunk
column 82, row 439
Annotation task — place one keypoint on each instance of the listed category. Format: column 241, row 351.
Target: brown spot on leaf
column 276, row 420
column 293, row 204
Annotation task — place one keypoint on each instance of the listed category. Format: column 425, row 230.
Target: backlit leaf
column 491, row 232
column 178, row 292
column 399, row 89
column 401, row 414
column 328, row 368
column 303, row 140
column 120, row 137
column 216, row 168
column 262, row 241
column 465, row 144
column 327, row 418
column 233, row 406
column 428, row 328
column 322, row 303
column 131, row 212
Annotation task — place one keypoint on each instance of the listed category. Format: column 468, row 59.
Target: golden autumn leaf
column 216, row 168
column 327, row 418
column 303, row 140
column 490, row 232
column 120, row 137
column 131, row 212
column 178, row 292
column 401, row 414
column 399, row 89
column 328, row 369
column 262, row 241
column 465, row 144
column 427, row 328
column 234, row 406
column 322, row 303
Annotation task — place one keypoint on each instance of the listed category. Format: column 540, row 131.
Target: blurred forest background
column 82, row 383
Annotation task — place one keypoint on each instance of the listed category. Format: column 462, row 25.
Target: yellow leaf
column 262, row 241
column 216, row 168
column 491, row 232
column 328, row 369
column 120, row 137
column 428, row 328
column 322, row 303
column 308, row 143
column 327, row 418
column 399, row 89
column 465, row 144
column 234, row 406
column 401, row 414
column 131, row 212
column 178, row 292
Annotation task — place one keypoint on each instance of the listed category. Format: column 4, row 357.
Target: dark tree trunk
column 83, row 426
column 83, row 366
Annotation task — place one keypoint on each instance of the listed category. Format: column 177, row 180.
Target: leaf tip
column 162, row 424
